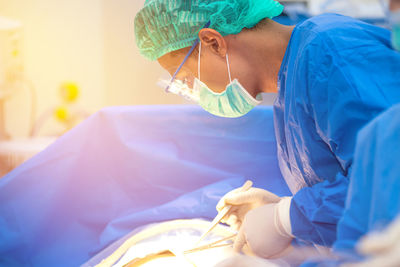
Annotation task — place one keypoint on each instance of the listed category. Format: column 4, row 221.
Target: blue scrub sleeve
column 315, row 211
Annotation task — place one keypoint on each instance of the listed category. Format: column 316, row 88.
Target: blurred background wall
column 61, row 40
column 90, row 42
column 130, row 78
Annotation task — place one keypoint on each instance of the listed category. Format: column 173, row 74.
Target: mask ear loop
column 229, row 69
column 198, row 62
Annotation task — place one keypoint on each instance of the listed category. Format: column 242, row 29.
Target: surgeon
column 373, row 199
column 333, row 74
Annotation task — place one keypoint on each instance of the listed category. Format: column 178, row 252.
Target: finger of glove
column 222, row 203
column 237, row 225
column 373, row 244
column 388, row 258
column 240, row 240
column 251, row 196
column 231, row 220
column 242, row 211
column 378, row 242
column 267, row 196
column 239, row 211
column 232, row 212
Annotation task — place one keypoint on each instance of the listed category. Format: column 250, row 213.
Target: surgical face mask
column 234, row 102
column 395, row 23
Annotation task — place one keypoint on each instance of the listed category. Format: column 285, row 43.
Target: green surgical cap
column 163, row 26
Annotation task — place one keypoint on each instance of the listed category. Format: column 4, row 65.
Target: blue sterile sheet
column 125, row 167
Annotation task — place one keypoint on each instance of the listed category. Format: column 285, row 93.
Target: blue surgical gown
column 373, row 199
column 338, row 73
column 373, row 196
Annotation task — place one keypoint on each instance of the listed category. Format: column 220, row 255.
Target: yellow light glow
column 177, row 244
column 69, row 91
column 176, row 236
column 61, row 113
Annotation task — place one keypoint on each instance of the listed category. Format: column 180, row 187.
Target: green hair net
column 163, row 26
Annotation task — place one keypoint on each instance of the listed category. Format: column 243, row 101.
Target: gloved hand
column 381, row 248
column 244, row 261
column 264, row 232
column 243, row 202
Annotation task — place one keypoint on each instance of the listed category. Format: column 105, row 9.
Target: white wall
column 87, row 41
column 355, row 8
column 130, row 78
column 62, row 40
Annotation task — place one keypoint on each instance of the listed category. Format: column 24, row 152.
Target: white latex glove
column 243, row 202
column 244, row 261
column 264, row 233
column 381, row 248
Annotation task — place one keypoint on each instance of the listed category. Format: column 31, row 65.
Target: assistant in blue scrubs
column 373, row 199
column 337, row 75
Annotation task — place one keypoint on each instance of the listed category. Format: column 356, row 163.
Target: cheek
column 214, row 73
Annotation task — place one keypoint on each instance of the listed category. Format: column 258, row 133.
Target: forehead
column 169, row 61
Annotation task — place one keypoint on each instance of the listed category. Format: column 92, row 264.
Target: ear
column 214, row 41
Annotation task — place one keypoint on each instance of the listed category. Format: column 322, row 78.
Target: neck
column 267, row 52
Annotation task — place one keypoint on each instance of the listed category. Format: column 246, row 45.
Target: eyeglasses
column 182, row 84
